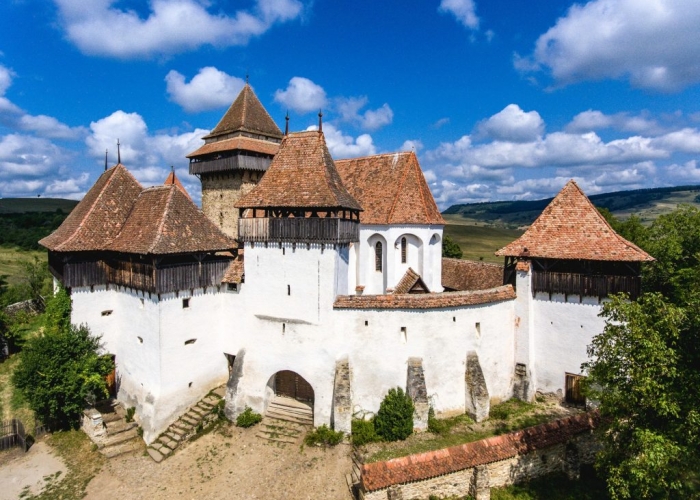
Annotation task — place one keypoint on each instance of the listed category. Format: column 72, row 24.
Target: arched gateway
column 292, row 385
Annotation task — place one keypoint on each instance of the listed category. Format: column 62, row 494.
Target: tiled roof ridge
column 161, row 224
column 427, row 465
column 365, row 157
column 114, row 171
column 479, row 262
column 398, row 193
column 245, row 94
column 414, row 164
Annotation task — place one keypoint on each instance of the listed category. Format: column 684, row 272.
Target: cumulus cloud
column 591, row 120
column 100, row 28
column 372, row 119
column 345, row 146
column 411, row 145
column 648, row 42
column 302, row 95
column 513, row 124
column 208, row 89
column 463, row 10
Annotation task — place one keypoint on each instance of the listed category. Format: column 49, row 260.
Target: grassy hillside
column 479, row 241
column 24, row 205
column 648, row 204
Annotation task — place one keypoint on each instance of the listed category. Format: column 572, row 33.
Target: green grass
column 556, row 487
column 23, row 205
column 477, row 241
column 11, row 260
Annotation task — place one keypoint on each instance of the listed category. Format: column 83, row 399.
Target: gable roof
column 391, row 188
column 570, row 227
column 172, row 179
column 246, row 114
column 99, row 216
column 459, row 274
column 166, row 221
column 301, row 175
column 411, row 283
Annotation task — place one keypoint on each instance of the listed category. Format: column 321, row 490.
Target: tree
column 450, row 248
column 60, row 372
column 394, row 420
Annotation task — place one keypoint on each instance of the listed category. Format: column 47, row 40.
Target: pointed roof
column 173, row 180
column 237, row 143
column 301, row 175
column 246, row 114
column 411, row 283
column 570, row 227
column 164, row 220
column 391, row 188
column 99, row 216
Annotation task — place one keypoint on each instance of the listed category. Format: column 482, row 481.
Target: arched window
column 404, row 250
column 378, row 256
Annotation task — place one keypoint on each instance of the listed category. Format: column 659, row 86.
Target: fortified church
column 323, row 280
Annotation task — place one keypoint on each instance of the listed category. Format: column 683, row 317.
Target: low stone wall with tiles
column 474, row 468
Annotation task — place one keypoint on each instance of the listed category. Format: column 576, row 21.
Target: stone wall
column 221, row 191
column 474, row 468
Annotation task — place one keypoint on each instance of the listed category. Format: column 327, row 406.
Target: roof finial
column 246, row 78
column 320, row 120
column 106, row 160
column 286, row 124
column 172, row 169
column 119, row 152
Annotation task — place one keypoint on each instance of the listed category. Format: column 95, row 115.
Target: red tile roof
column 99, row 216
column 458, row 274
column 571, row 228
column 246, row 114
column 236, row 270
column 391, row 188
column 240, row 143
column 425, row 300
column 166, row 221
column 422, row 466
column 301, row 175
column 172, row 179
column 411, row 283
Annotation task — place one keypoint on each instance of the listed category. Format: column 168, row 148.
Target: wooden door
column 574, row 395
column 292, row 385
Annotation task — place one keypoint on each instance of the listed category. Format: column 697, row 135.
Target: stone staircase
column 197, row 418
column 286, row 421
column 107, row 427
column 353, row 479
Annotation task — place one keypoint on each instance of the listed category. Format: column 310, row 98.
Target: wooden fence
column 299, row 230
column 585, row 284
column 12, row 434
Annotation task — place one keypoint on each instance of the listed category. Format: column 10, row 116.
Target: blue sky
column 501, row 100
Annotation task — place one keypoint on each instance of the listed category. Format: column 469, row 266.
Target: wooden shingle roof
column 391, row 188
column 246, row 114
column 237, row 143
column 99, row 216
column 411, row 282
column 172, row 179
column 301, row 175
column 459, row 274
column 571, row 228
column 164, row 220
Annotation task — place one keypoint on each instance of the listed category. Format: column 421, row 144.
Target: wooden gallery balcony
column 328, row 230
column 590, row 285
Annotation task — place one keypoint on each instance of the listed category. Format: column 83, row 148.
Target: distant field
column 477, row 241
column 11, row 260
column 22, row 205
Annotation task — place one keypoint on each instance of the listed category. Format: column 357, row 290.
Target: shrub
column 363, row 432
column 323, row 436
column 434, row 425
column 394, row 420
column 248, row 418
column 130, row 414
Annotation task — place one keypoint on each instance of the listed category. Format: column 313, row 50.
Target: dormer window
column 378, row 257
column 404, row 250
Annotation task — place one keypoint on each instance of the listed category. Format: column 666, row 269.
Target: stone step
column 114, row 428
column 174, row 434
column 122, row 448
column 277, row 439
column 181, row 427
column 205, row 407
column 281, row 430
column 291, row 417
column 211, row 400
column 198, row 411
column 155, row 455
column 291, row 411
column 220, row 391
column 120, row 438
column 110, row 417
column 189, row 420
column 285, row 401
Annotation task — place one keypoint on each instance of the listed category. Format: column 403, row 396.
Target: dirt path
column 29, row 472
column 233, row 464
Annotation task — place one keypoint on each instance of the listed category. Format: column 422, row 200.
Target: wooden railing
column 234, row 162
column 585, row 284
column 298, row 230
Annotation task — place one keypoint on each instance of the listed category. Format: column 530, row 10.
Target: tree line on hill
column 24, row 230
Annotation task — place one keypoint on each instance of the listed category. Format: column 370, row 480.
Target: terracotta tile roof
column 235, row 272
column 99, row 216
column 425, row 300
column 391, row 188
column 571, row 228
column 172, row 179
column 240, row 143
column 458, row 274
column 165, row 221
column 246, row 114
column 422, row 466
column 301, row 175
column 411, row 283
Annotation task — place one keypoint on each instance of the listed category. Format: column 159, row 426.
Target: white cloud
column 6, row 75
column 208, row 89
column 302, row 95
column 513, row 124
column 372, row 119
column 344, row 146
column 72, row 187
column 591, row 120
column 688, row 172
column 649, row 42
column 686, row 140
column 98, row 27
column 411, row 145
column 463, row 10
column 440, row 123
column 27, row 156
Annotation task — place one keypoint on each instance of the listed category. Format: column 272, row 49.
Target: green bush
column 323, row 436
column 363, row 432
column 248, row 418
column 394, row 420
column 434, row 425
column 130, row 414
